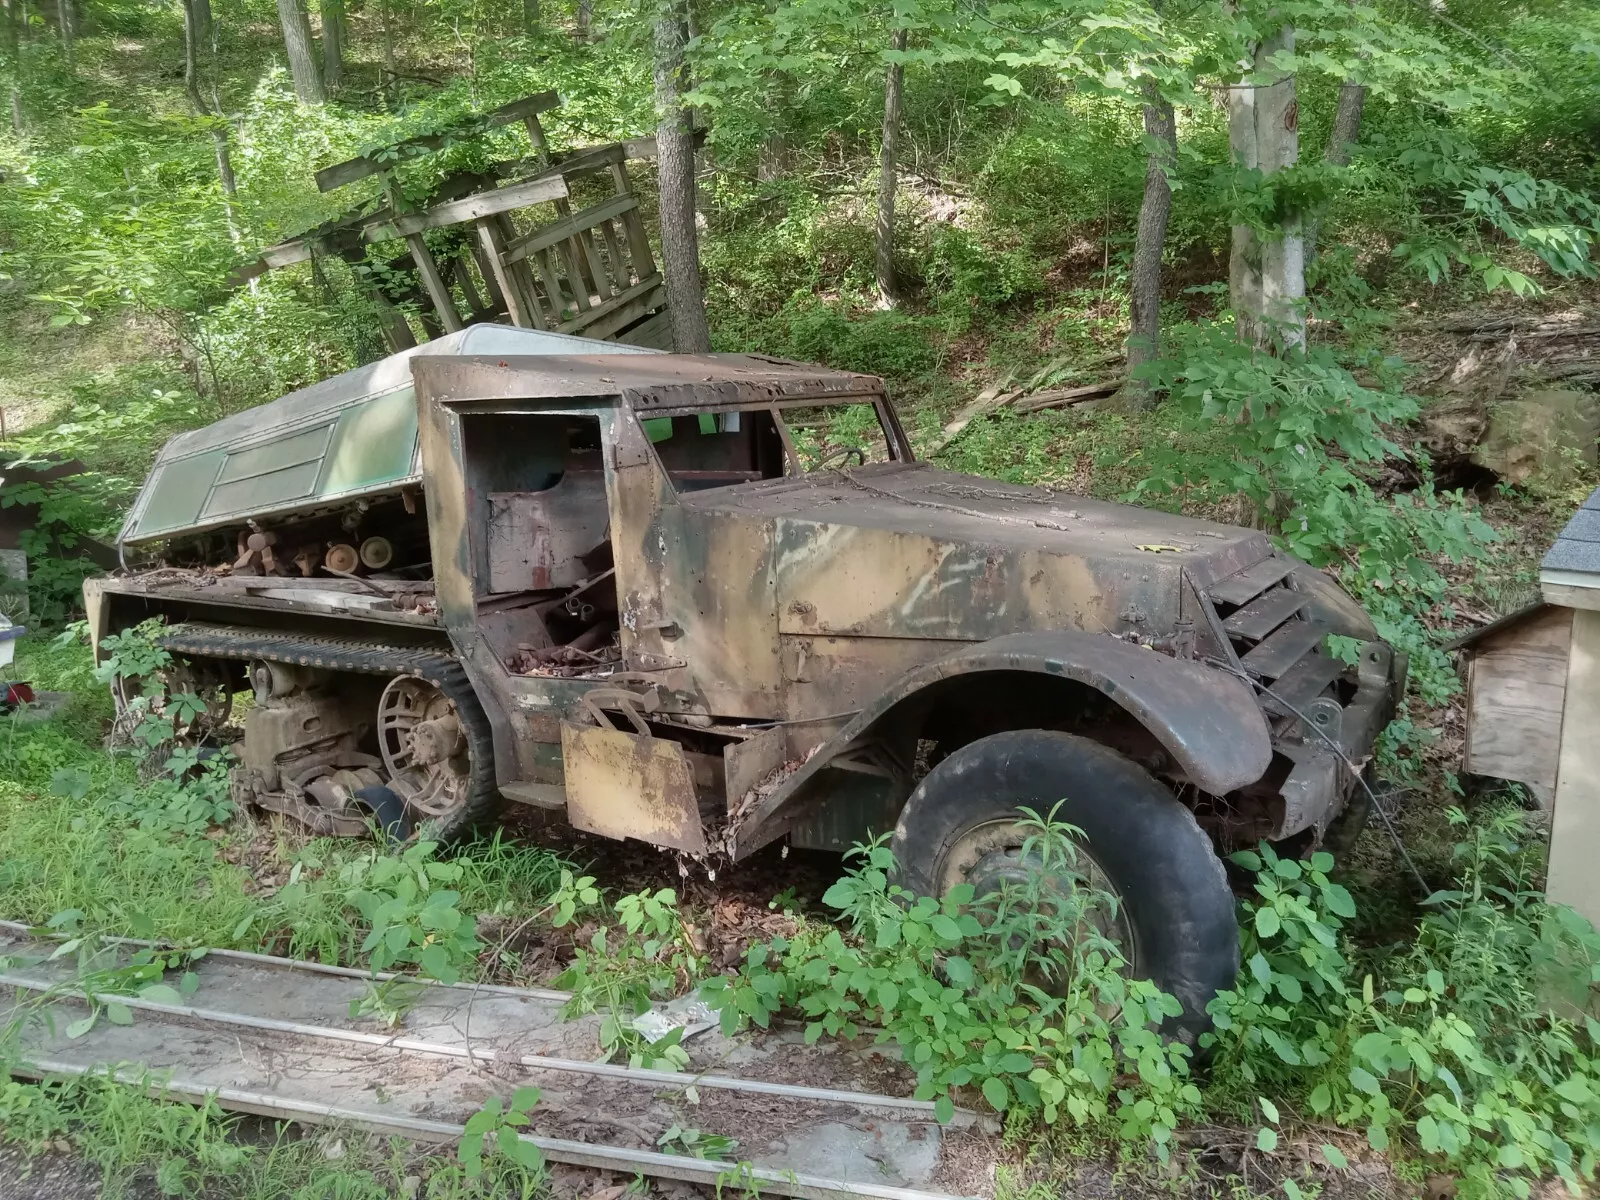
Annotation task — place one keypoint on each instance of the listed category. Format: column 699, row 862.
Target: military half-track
column 713, row 601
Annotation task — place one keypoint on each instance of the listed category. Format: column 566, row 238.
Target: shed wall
column 1516, row 689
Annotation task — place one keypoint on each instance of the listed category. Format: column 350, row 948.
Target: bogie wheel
column 1174, row 921
column 439, row 757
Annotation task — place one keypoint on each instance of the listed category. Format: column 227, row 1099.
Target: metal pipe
column 295, row 964
column 535, row 1061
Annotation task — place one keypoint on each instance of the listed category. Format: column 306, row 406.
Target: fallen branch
column 1060, row 397
column 987, row 401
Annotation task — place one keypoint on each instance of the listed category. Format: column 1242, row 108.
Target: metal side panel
column 626, row 785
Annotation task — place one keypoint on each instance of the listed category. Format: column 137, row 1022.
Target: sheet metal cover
column 346, row 436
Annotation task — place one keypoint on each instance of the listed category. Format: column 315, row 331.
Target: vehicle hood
column 907, row 550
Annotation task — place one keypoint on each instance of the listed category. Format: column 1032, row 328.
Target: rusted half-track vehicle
column 711, row 601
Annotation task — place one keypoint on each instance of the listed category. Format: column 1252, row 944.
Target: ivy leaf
column 944, row 1110
column 1334, row 1156
column 1267, row 923
column 118, row 1013
column 1266, row 1139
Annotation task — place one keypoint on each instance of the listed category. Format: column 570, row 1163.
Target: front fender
column 1208, row 721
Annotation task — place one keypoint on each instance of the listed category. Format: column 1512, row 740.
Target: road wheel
column 439, row 758
column 1176, row 923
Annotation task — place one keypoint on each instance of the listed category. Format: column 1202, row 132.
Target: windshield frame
column 895, row 440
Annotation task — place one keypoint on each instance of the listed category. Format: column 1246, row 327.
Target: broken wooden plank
column 468, row 208
column 623, row 309
column 1058, row 397
column 987, row 401
column 353, row 169
column 556, row 232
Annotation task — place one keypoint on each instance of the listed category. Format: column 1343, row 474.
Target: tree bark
column 205, row 26
column 680, row 242
column 64, row 24
column 1346, row 123
column 1144, row 333
column 585, row 17
column 335, row 35
column 194, row 20
column 888, row 174
column 13, row 44
column 530, row 16
column 389, row 77
column 302, row 52
column 1266, row 270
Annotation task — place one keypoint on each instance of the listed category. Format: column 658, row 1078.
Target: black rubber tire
column 1174, row 889
column 389, row 813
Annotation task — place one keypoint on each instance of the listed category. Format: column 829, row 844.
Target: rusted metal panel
column 747, row 763
column 535, row 539
column 1206, row 720
column 827, row 675
column 626, row 785
column 646, row 382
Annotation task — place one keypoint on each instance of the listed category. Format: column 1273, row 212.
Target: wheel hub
column 423, row 746
column 436, row 741
column 990, row 858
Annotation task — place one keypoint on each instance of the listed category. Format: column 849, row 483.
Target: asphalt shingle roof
column 1578, row 546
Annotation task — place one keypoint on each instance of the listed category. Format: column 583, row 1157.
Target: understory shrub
column 1020, row 994
column 1472, row 1049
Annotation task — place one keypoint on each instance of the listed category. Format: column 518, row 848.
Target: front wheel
column 1175, row 924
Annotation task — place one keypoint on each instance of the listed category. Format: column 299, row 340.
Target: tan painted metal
column 626, row 785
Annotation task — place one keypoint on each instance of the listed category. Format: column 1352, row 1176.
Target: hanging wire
column 1360, row 776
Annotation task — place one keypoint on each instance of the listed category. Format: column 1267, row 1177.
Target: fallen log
column 1061, row 397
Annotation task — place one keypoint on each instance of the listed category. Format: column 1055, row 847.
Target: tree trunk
column 13, row 44
column 64, row 23
column 1346, row 124
column 1266, row 271
column 1144, row 333
column 530, row 16
column 1346, row 129
column 888, row 174
column 335, row 33
column 680, row 243
column 302, row 52
column 389, row 78
column 195, row 15
column 585, row 17
column 205, row 26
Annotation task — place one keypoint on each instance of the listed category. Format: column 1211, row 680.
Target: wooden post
column 644, row 262
column 516, row 302
column 586, row 261
column 443, row 301
column 489, row 268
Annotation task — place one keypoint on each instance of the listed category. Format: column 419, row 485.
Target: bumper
column 1328, row 744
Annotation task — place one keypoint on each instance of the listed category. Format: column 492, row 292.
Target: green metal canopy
column 350, row 436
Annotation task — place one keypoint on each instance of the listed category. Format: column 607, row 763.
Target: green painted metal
column 375, row 445
column 369, row 446
column 177, row 491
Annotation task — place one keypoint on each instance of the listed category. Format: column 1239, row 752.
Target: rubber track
column 444, row 671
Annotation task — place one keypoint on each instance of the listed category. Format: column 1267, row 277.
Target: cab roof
column 698, row 382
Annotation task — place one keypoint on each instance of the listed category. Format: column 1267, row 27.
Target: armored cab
column 712, row 601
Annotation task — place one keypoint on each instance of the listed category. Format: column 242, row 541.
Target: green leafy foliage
column 643, row 955
column 492, row 1132
column 1019, row 994
column 1461, row 1048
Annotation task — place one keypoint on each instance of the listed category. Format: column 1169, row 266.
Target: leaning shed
column 1533, row 705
